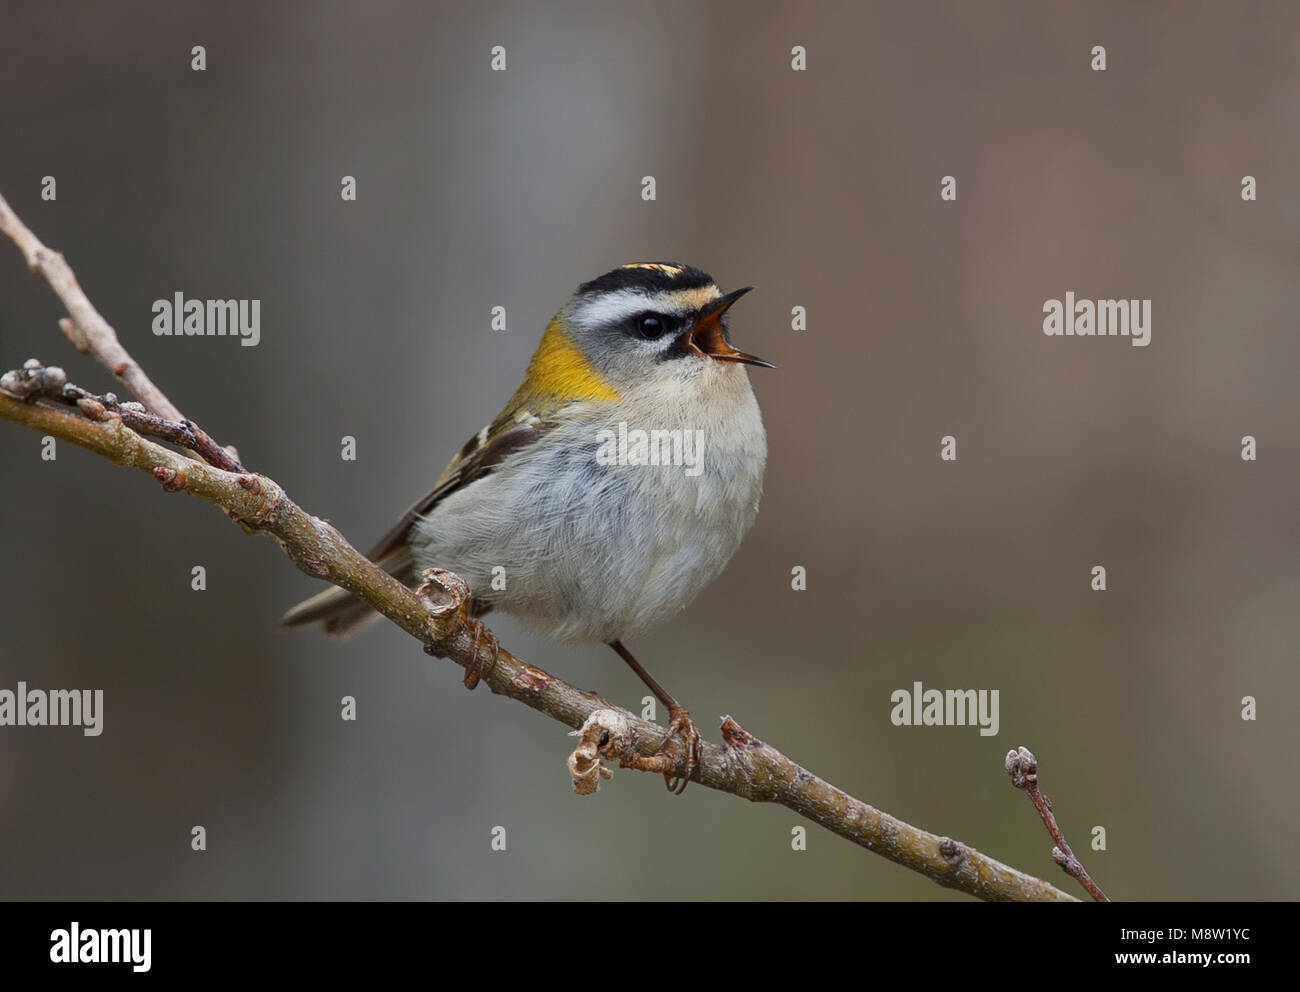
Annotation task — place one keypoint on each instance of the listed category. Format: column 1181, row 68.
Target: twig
column 87, row 330
column 36, row 381
column 1022, row 766
column 437, row 615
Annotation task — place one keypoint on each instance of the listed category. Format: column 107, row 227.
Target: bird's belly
column 585, row 551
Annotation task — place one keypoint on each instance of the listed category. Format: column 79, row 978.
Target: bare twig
column 36, row 381
column 1022, row 766
column 87, row 330
column 437, row 614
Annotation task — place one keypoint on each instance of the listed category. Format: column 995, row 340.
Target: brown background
column 819, row 188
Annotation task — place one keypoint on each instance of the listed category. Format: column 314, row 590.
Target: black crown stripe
column 651, row 277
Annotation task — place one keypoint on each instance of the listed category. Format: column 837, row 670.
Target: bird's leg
column 679, row 723
column 477, row 669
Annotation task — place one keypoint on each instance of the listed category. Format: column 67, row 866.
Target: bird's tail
column 340, row 612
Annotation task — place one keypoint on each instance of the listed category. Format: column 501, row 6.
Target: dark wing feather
column 339, row 610
column 480, row 455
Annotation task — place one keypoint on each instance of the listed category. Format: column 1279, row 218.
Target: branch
column 437, row 614
column 1022, row 766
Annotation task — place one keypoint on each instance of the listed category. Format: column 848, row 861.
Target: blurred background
column 820, row 188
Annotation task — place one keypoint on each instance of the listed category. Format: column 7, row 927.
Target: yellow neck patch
column 560, row 369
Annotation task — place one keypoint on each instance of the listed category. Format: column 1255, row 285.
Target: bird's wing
column 342, row 612
column 512, row 431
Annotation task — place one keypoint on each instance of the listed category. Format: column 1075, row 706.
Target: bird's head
column 640, row 323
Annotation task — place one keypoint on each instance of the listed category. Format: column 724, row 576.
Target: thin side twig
column 36, row 381
column 1022, row 766
column 89, row 332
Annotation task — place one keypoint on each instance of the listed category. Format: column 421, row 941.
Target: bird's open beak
column 707, row 338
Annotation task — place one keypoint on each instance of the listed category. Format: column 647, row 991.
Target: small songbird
column 562, row 513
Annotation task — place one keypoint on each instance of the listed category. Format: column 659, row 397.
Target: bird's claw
column 681, row 725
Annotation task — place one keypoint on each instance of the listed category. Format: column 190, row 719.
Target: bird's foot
column 681, row 725
column 481, row 665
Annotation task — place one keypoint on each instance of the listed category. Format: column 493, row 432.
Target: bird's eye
column 651, row 327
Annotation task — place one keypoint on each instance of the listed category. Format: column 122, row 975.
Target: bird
column 579, row 509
